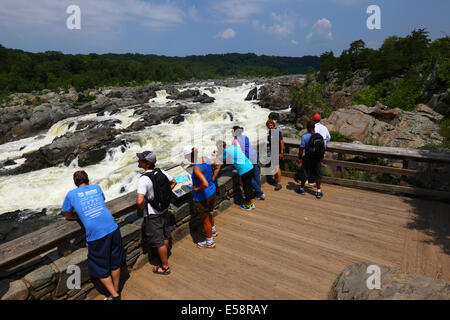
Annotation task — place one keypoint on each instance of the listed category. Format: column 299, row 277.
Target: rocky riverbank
column 378, row 124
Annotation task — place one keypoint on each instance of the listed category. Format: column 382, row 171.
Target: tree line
column 404, row 71
column 22, row 71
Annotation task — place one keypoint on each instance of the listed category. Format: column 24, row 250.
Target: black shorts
column 247, row 185
column 311, row 169
column 105, row 254
column 157, row 229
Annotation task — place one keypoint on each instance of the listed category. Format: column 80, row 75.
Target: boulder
column 252, row 95
column 352, row 284
column 204, row 98
column 406, row 129
column 275, row 96
column 90, row 145
column 186, row 94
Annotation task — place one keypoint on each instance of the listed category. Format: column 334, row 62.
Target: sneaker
column 112, row 298
column 252, row 206
column 261, row 197
column 319, row 195
column 215, row 233
column 206, row 245
column 246, row 207
column 300, row 191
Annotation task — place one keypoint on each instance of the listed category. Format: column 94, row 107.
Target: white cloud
column 227, row 34
column 321, row 31
column 99, row 16
column 294, row 42
column 282, row 25
column 238, row 11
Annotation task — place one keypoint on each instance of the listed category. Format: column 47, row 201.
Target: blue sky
column 186, row 27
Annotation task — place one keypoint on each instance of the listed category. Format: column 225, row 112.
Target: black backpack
column 316, row 146
column 161, row 190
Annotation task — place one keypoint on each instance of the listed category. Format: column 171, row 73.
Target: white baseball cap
column 187, row 150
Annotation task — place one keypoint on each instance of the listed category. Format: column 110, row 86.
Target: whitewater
column 118, row 172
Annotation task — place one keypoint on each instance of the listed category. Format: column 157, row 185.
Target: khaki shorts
column 205, row 207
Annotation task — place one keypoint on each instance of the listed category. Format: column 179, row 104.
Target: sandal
column 165, row 271
column 278, row 187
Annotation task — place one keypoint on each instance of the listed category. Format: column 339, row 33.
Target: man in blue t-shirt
column 104, row 241
column 234, row 155
column 310, row 167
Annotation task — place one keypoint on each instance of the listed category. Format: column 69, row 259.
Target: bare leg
column 115, row 274
column 211, row 220
column 302, row 184
column 207, row 226
column 318, row 184
column 162, row 252
column 109, row 285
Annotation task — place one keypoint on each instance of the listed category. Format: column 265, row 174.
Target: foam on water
column 118, row 172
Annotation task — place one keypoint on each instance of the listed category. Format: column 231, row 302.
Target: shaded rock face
column 89, row 144
column 351, row 284
column 20, row 222
column 153, row 116
column 204, row 98
column 23, row 118
column 252, row 95
column 187, row 94
column 403, row 129
column 275, row 96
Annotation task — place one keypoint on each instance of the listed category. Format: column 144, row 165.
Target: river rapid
column 118, row 173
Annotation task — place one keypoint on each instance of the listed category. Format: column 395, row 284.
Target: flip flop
column 165, row 272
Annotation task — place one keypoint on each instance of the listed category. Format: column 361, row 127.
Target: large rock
column 252, row 95
column 154, row 115
column 275, row 96
column 351, row 284
column 204, row 98
column 90, row 145
column 186, row 94
column 397, row 129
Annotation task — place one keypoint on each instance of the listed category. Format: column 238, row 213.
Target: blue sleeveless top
column 249, row 151
column 207, row 172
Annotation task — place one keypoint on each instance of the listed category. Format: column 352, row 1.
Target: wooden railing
column 55, row 235
column 59, row 234
column 402, row 154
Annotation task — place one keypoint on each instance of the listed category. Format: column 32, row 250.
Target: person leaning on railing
column 104, row 241
column 204, row 173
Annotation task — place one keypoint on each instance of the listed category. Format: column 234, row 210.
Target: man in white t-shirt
column 156, row 224
column 320, row 128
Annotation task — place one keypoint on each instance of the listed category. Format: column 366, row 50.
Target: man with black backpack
column 310, row 164
column 154, row 192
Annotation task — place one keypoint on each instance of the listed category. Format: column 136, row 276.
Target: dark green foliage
column 22, row 71
column 405, row 71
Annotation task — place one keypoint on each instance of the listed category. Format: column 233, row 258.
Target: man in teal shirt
column 233, row 155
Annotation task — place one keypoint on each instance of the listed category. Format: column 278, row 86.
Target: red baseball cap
column 316, row 117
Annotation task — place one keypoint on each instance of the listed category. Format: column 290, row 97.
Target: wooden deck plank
column 293, row 247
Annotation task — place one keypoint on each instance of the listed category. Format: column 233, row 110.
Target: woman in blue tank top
column 203, row 176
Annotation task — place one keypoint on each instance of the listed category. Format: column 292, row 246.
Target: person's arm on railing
column 281, row 149
column 216, row 170
column 71, row 215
